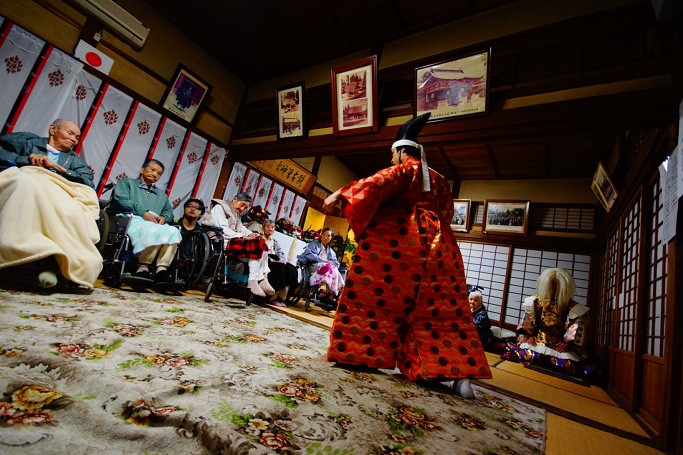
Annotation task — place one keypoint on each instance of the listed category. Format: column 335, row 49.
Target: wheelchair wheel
column 103, row 226
column 196, row 247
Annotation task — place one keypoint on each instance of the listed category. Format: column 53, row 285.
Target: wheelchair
column 120, row 263
column 229, row 279
column 310, row 294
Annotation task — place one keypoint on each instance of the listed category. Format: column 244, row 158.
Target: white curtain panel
column 211, row 173
column 251, row 182
column 262, row 192
column 286, row 205
column 100, row 138
column 137, row 141
column 19, row 52
column 188, row 171
column 78, row 103
column 235, row 181
column 275, row 199
column 167, row 148
column 298, row 209
column 55, row 82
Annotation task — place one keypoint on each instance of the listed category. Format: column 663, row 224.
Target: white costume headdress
column 407, row 136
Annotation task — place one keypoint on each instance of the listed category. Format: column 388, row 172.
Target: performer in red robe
column 405, row 300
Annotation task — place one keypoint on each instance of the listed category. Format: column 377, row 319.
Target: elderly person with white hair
column 553, row 329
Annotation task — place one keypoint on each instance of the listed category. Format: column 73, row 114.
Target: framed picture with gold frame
column 603, row 188
column 354, row 97
column 453, row 88
column 185, row 94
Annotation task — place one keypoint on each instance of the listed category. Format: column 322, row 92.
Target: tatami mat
column 582, row 406
column 594, row 393
column 565, row 437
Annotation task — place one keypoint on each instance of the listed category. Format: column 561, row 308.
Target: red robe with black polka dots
column 405, row 299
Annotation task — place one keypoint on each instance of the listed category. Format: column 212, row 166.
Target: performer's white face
column 395, row 157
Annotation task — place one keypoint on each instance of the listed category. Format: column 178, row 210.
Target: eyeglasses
column 193, row 207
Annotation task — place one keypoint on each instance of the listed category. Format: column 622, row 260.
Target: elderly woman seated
column 323, row 268
column 154, row 241
column 282, row 274
column 241, row 242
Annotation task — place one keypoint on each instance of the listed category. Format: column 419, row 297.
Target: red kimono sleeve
column 362, row 198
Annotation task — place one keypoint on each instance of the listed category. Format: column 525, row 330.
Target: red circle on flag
column 93, row 59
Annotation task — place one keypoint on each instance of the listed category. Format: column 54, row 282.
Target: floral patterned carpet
column 122, row 372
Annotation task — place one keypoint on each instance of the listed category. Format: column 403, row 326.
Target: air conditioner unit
column 116, row 19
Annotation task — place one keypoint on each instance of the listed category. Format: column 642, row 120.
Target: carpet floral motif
column 123, row 372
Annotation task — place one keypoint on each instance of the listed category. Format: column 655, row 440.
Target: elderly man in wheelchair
column 48, row 208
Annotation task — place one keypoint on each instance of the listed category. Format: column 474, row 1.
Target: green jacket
column 134, row 195
column 16, row 147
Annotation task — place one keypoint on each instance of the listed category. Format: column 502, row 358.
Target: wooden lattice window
column 486, row 266
column 656, row 279
column 608, row 289
column 563, row 218
column 527, row 265
column 628, row 296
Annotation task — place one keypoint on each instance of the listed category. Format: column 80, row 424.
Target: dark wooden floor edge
column 574, row 417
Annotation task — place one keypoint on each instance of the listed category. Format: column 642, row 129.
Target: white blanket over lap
column 42, row 214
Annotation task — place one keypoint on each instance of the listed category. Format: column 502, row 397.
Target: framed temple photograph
column 461, row 215
column 290, row 111
column 185, row 94
column 354, row 97
column 506, row 217
column 454, row 88
column 604, row 188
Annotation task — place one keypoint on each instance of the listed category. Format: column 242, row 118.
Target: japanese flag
column 98, row 60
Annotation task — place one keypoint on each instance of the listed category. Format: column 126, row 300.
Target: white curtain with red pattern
column 188, row 171
column 168, row 148
column 102, row 135
column 286, row 205
column 262, row 192
column 19, row 52
column 298, row 209
column 211, row 173
column 136, row 144
column 53, row 85
column 235, row 182
column 80, row 99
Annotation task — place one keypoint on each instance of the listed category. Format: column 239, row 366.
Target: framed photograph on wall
column 354, row 97
column 604, row 188
column 290, row 111
column 506, row 217
column 185, row 94
column 454, row 88
column 461, row 215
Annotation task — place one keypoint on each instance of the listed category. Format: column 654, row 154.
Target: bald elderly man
column 48, row 208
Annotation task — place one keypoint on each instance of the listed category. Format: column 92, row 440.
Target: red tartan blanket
column 246, row 248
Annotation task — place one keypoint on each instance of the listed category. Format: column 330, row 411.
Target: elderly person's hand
column 149, row 216
column 36, row 159
column 252, row 236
